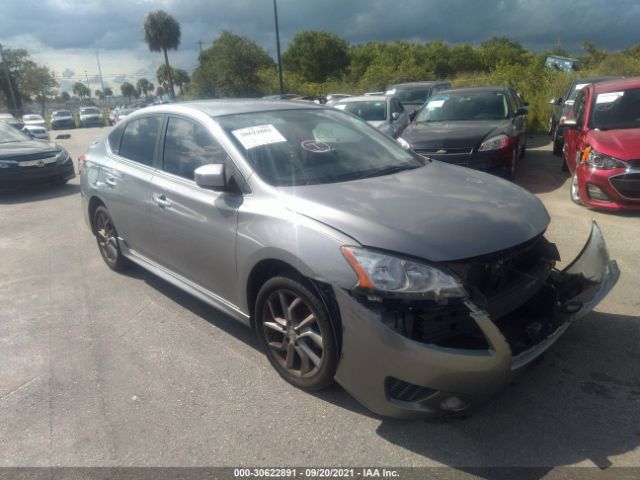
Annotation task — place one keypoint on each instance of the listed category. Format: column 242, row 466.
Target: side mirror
column 522, row 111
column 395, row 116
column 210, row 176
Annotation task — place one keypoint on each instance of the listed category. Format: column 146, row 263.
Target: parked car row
column 419, row 286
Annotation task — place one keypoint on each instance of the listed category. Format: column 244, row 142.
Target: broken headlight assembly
column 381, row 275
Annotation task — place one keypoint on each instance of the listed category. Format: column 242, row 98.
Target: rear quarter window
column 114, row 139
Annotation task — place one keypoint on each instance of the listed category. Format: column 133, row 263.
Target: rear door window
column 139, row 139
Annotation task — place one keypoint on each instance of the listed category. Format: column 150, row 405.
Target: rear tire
column 294, row 327
column 107, row 238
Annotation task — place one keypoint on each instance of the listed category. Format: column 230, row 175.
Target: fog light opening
column 454, row 404
column 596, row 193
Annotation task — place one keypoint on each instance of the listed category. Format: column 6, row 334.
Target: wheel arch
column 94, row 203
column 270, row 268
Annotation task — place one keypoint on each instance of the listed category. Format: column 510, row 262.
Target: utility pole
column 100, row 72
column 200, row 45
column 6, row 72
column 275, row 13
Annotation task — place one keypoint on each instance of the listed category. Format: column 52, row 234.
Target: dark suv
column 413, row 94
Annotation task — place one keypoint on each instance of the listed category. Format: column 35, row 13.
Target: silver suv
column 418, row 286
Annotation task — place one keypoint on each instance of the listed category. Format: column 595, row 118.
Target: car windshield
column 575, row 90
column 9, row 134
column 619, row 109
column 307, row 147
column 413, row 95
column 29, row 118
column 89, row 110
column 371, row 111
column 465, row 106
column 62, row 113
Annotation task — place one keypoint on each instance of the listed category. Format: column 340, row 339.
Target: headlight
column 62, row 157
column 494, row 143
column 8, row 163
column 600, row 161
column 396, row 276
column 403, row 143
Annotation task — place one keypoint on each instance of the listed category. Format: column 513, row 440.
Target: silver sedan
column 420, row 287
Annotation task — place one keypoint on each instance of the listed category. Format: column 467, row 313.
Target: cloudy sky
column 67, row 34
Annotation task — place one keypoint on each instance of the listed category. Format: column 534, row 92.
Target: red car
column 602, row 145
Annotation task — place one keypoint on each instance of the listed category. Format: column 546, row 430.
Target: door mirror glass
column 522, row 111
column 395, row 116
column 210, row 176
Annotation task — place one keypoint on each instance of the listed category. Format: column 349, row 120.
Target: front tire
column 295, row 330
column 107, row 238
column 575, row 190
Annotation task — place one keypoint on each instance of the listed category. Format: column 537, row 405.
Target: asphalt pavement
column 106, row 369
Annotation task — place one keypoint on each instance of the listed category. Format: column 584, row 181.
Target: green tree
column 108, row 92
column 317, row 56
column 162, row 32
column 159, row 91
column 181, row 79
column 145, row 86
column 64, row 97
column 18, row 63
column 99, row 94
column 128, row 90
column 39, row 83
column 230, row 67
column 498, row 50
column 81, row 90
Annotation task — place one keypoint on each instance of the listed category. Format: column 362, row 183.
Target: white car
column 35, row 126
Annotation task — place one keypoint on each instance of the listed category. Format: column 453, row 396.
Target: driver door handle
column 161, row 201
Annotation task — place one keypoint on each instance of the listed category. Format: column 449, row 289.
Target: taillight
column 81, row 161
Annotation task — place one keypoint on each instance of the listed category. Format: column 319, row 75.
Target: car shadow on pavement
column 540, row 172
column 580, row 403
column 197, row 307
column 538, row 141
column 38, row 193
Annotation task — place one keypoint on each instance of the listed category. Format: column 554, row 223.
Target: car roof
column 219, row 108
column 472, row 90
column 427, row 83
column 620, row 84
column 364, row 98
column 594, row 80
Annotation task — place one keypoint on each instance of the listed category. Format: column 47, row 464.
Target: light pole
column 275, row 14
column 6, row 72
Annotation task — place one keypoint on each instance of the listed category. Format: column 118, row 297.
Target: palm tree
column 145, row 86
column 162, row 32
column 128, row 90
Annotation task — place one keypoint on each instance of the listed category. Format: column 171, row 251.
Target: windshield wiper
column 387, row 171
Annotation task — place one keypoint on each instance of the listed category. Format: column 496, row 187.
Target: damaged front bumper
column 397, row 376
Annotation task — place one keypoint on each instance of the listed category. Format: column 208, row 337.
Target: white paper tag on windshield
column 259, row 135
column 435, row 104
column 609, row 97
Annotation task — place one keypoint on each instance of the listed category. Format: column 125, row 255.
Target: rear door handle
column 161, row 201
column 109, row 180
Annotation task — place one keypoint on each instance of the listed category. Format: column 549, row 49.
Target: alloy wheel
column 575, row 190
column 293, row 334
column 107, row 237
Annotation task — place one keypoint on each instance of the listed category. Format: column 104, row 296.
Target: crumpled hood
column 14, row 150
column 451, row 134
column 622, row 143
column 439, row 212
